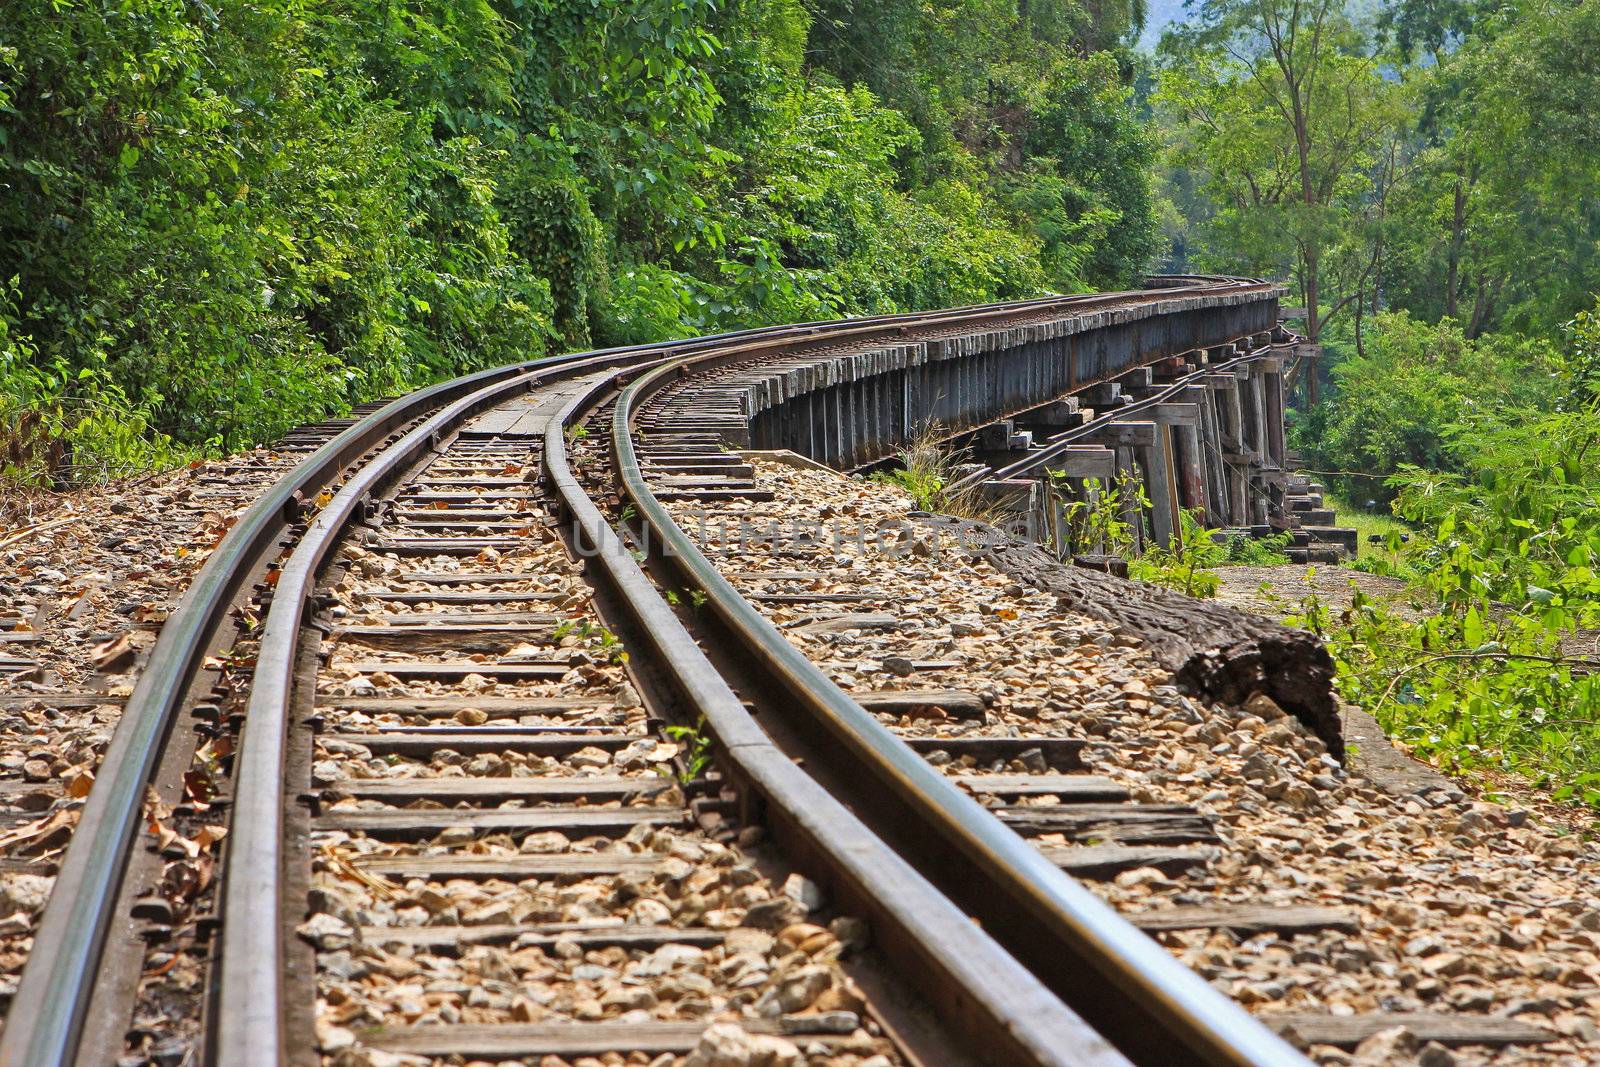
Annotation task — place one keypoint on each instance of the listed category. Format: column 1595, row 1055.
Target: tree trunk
column 1458, row 229
column 1360, row 348
column 1213, row 651
column 1482, row 307
column 1313, row 246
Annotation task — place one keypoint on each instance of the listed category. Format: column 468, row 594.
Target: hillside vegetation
column 1425, row 174
column 220, row 220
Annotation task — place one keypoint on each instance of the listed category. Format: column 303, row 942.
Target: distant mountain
column 1159, row 15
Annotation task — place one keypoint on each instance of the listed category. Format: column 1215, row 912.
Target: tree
column 1282, row 109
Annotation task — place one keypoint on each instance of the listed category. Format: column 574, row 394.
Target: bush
column 1508, row 557
column 1407, row 401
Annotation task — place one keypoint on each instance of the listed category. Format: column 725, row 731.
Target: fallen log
column 1214, row 651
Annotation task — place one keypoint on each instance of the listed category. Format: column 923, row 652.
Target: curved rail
column 47, row 1015
column 1007, row 1008
column 979, row 988
column 1163, row 1012
column 250, row 1002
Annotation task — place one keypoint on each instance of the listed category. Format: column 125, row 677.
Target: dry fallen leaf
column 197, row 786
column 217, row 748
column 39, row 834
column 210, row 835
column 172, row 961
column 114, row 654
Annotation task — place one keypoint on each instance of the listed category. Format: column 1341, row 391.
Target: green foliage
column 1409, row 399
column 224, row 220
column 1507, row 552
column 926, row 487
column 1242, row 550
column 1440, row 159
column 1101, row 519
column 1188, row 565
column 926, row 467
column 555, row 232
column 1279, row 114
column 1484, row 682
column 1084, row 186
column 1427, row 178
column 1380, row 556
column 239, row 220
column 1097, row 520
column 56, row 424
column 956, row 67
column 697, row 749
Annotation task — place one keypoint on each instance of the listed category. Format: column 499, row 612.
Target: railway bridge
column 1182, row 396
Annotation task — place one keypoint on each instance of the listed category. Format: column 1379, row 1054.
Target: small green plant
column 1242, row 550
column 697, row 597
column 598, row 636
column 925, row 486
column 1097, row 521
column 1188, row 565
column 610, row 644
column 673, row 598
column 696, row 749
column 926, row 468
column 576, row 432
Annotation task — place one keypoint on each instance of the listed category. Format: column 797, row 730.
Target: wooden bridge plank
column 1247, row 918
column 421, row 744
column 580, row 820
column 585, row 934
column 512, row 868
column 1100, row 862
column 1069, row 787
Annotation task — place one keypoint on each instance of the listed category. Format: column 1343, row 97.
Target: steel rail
column 48, row 1012
column 46, row 1017
column 977, row 987
column 250, row 1002
column 1160, row 1011
column 249, row 1028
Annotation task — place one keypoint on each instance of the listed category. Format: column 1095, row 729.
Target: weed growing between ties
column 696, row 749
column 926, row 468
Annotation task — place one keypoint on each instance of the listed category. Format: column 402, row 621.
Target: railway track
column 508, row 770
